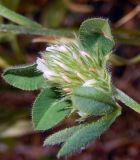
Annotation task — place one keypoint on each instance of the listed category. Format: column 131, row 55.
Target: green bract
column 73, row 79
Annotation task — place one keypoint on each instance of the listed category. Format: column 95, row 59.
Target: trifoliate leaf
column 92, row 101
column 128, row 101
column 88, row 133
column 47, row 111
column 24, row 77
column 95, row 36
column 62, row 135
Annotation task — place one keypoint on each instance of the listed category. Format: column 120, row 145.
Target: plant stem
column 17, row 18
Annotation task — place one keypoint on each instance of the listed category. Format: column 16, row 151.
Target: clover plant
column 74, row 81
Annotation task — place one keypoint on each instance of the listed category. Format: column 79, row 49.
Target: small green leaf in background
column 47, row 111
column 62, row 135
column 3, row 63
column 88, row 133
column 92, row 101
column 128, row 101
column 24, row 77
column 13, row 5
column 95, row 36
column 55, row 13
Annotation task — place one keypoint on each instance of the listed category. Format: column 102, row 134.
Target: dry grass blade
column 78, row 7
column 52, row 40
column 128, row 16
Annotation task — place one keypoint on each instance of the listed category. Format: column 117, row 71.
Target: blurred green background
column 18, row 141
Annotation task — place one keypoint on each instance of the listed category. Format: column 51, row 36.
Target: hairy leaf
column 47, row 111
column 91, row 92
column 24, row 77
column 62, row 135
column 95, row 36
column 128, row 101
column 88, row 133
column 92, row 101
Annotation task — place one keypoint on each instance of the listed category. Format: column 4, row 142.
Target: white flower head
column 68, row 66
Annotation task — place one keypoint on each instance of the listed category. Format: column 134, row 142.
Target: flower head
column 69, row 66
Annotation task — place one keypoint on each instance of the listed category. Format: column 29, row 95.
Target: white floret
column 60, row 48
column 47, row 73
column 89, row 83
